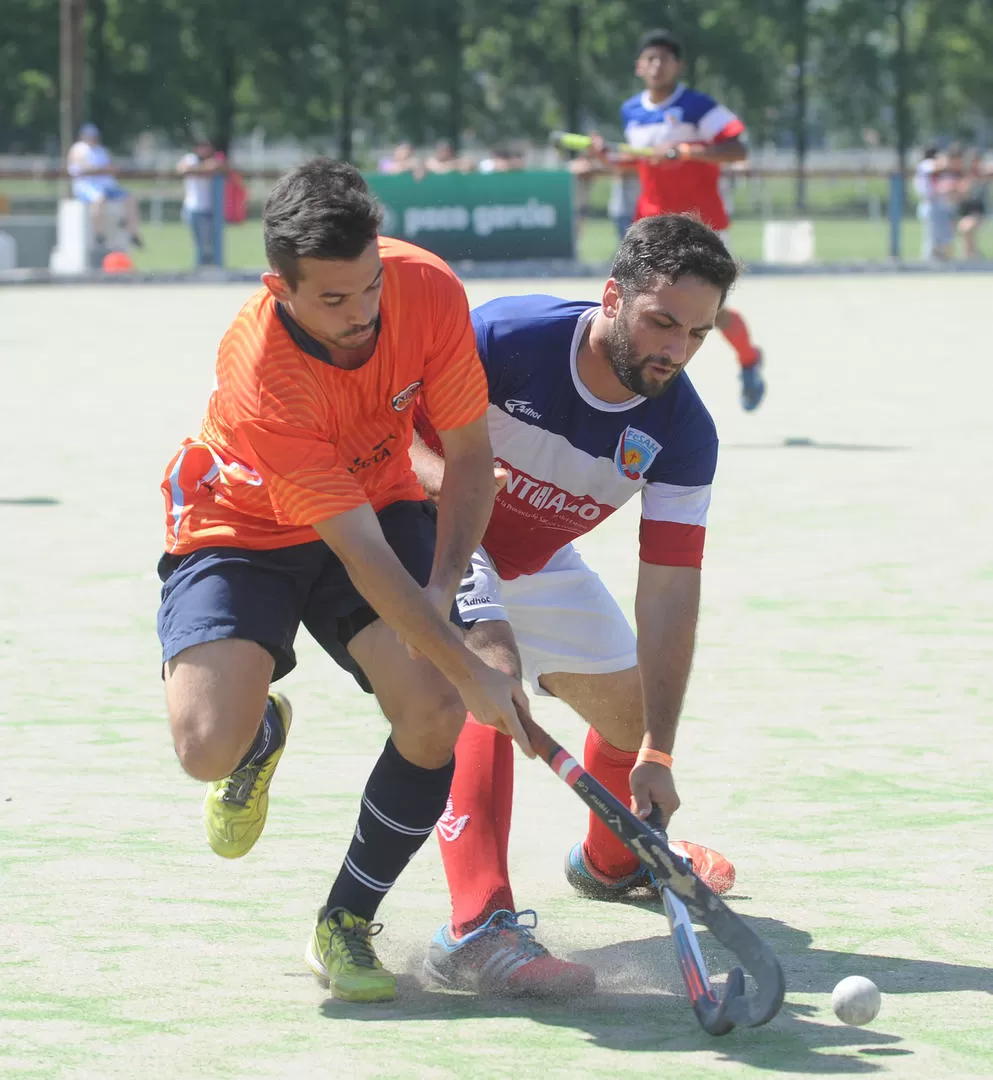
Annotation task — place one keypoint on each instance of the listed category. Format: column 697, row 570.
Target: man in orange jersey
column 297, row 503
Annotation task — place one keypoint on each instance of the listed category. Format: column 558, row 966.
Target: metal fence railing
column 854, row 216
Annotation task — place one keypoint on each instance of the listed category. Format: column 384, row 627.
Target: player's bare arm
column 666, row 607
column 725, row 152
column 465, row 501
column 607, row 158
column 493, row 640
column 429, row 468
column 357, row 539
column 199, row 168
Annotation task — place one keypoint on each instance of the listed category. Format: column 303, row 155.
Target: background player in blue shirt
column 693, row 137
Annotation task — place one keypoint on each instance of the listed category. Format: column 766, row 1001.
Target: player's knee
column 204, row 744
column 441, row 725
column 428, row 729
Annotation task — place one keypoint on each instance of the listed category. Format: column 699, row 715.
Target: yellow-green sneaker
column 235, row 808
column 341, row 955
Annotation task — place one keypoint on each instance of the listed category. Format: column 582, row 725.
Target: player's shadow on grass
column 638, row 1022
column 803, row 443
column 808, row 970
column 639, row 1005
column 30, row 500
column 816, row 971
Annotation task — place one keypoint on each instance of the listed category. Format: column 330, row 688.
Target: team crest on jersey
column 673, row 117
column 635, row 453
column 406, row 396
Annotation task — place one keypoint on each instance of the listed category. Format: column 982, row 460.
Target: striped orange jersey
column 290, row 440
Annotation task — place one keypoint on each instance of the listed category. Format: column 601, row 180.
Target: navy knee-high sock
column 400, row 807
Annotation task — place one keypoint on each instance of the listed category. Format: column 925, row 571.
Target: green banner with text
column 481, row 216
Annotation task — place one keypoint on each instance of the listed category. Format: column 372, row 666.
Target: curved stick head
column 712, row 1011
column 717, row 1015
column 737, row 1008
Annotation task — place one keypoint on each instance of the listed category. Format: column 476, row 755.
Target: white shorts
column 563, row 618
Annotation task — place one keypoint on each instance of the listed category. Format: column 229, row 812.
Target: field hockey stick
column 711, row 1010
column 570, row 140
column 671, row 873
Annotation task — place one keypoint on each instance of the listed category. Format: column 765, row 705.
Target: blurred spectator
column 198, row 169
column 933, row 187
column 235, row 193
column 971, row 205
column 444, row 160
column 403, row 160
column 501, row 160
column 94, row 182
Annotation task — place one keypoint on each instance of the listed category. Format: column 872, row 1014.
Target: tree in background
column 29, row 74
column 349, row 76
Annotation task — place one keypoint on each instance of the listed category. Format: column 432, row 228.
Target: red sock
column 474, row 831
column 611, row 767
column 737, row 334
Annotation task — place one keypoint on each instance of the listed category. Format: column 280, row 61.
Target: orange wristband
column 657, row 757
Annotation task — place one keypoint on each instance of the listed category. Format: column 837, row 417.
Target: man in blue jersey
column 693, row 138
column 589, row 406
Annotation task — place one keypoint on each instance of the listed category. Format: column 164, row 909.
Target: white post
column 73, row 240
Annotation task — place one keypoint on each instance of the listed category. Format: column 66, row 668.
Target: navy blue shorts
column 263, row 596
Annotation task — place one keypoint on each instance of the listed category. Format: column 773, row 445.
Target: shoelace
column 509, row 922
column 240, row 784
column 357, row 943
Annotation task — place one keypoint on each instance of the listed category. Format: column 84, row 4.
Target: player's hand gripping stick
column 694, row 901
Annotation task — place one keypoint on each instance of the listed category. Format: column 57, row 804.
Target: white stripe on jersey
column 664, row 124
column 670, row 502
column 552, row 460
column 714, row 122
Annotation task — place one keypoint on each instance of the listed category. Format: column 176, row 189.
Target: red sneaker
column 502, row 958
column 708, row 865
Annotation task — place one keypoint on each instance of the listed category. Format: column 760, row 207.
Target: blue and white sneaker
column 592, row 884
column 752, row 386
column 502, row 958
